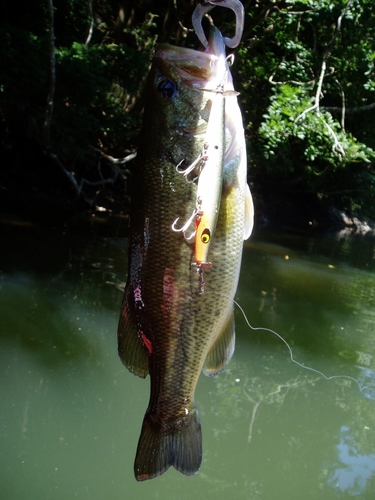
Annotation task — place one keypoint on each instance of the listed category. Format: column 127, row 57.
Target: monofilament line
column 361, row 388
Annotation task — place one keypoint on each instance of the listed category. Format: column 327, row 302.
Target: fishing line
column 264, row 329
column 361, row 388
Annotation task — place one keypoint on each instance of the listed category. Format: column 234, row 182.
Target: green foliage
column 92, row 107
column 304, row 132
column 23, row 80
column 98, row 91
column 321, row 138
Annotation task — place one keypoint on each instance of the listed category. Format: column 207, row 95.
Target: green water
column 71, row 413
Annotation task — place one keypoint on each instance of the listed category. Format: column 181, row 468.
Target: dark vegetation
column 71, row 101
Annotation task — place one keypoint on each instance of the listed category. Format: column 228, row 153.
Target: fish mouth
column 206, row 70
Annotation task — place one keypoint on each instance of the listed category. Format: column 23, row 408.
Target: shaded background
column 92, row 59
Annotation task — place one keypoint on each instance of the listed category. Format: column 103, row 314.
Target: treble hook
column 186, row 226
column 207, row 5
column 190, row 168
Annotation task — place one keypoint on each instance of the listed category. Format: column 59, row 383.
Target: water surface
column 71, row 413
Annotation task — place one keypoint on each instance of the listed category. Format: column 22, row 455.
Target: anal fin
column 131, row 349
column 222, row 350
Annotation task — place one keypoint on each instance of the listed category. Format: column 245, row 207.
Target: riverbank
column 106, row 207
column 306, row 212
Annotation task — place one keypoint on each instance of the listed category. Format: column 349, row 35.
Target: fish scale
column 168, row 328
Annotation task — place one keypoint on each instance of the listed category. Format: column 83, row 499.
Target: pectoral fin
column 249, row 214
column 131, row 349
column 222, row 350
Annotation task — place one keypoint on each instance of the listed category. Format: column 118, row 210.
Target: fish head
column 181, row 83
column 200, row 70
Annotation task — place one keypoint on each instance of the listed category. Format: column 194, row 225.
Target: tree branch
column 354, row 109
column 92, row 24
column 110, row 180
column 343, row 104
column 49, row 111
column 319, row 87
column 336, row 144
column 52, row 83
column 253, row 416
column 115, row 161
column 77, row 187
column 294, row 82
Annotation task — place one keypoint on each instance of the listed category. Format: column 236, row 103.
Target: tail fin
column 178, row 444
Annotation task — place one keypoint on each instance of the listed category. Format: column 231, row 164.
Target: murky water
column 71, row 413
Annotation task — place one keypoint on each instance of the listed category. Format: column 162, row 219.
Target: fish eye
column 206, row 236
column 167, row 89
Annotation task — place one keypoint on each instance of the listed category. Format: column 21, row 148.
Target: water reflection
column 38, row 321
column 71, row 413
column 353, row 469
column 321, row 306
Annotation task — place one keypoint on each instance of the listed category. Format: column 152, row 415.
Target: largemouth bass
column 168, row 328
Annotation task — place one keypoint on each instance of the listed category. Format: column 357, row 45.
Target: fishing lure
column 210, row 181
column 207, row 169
